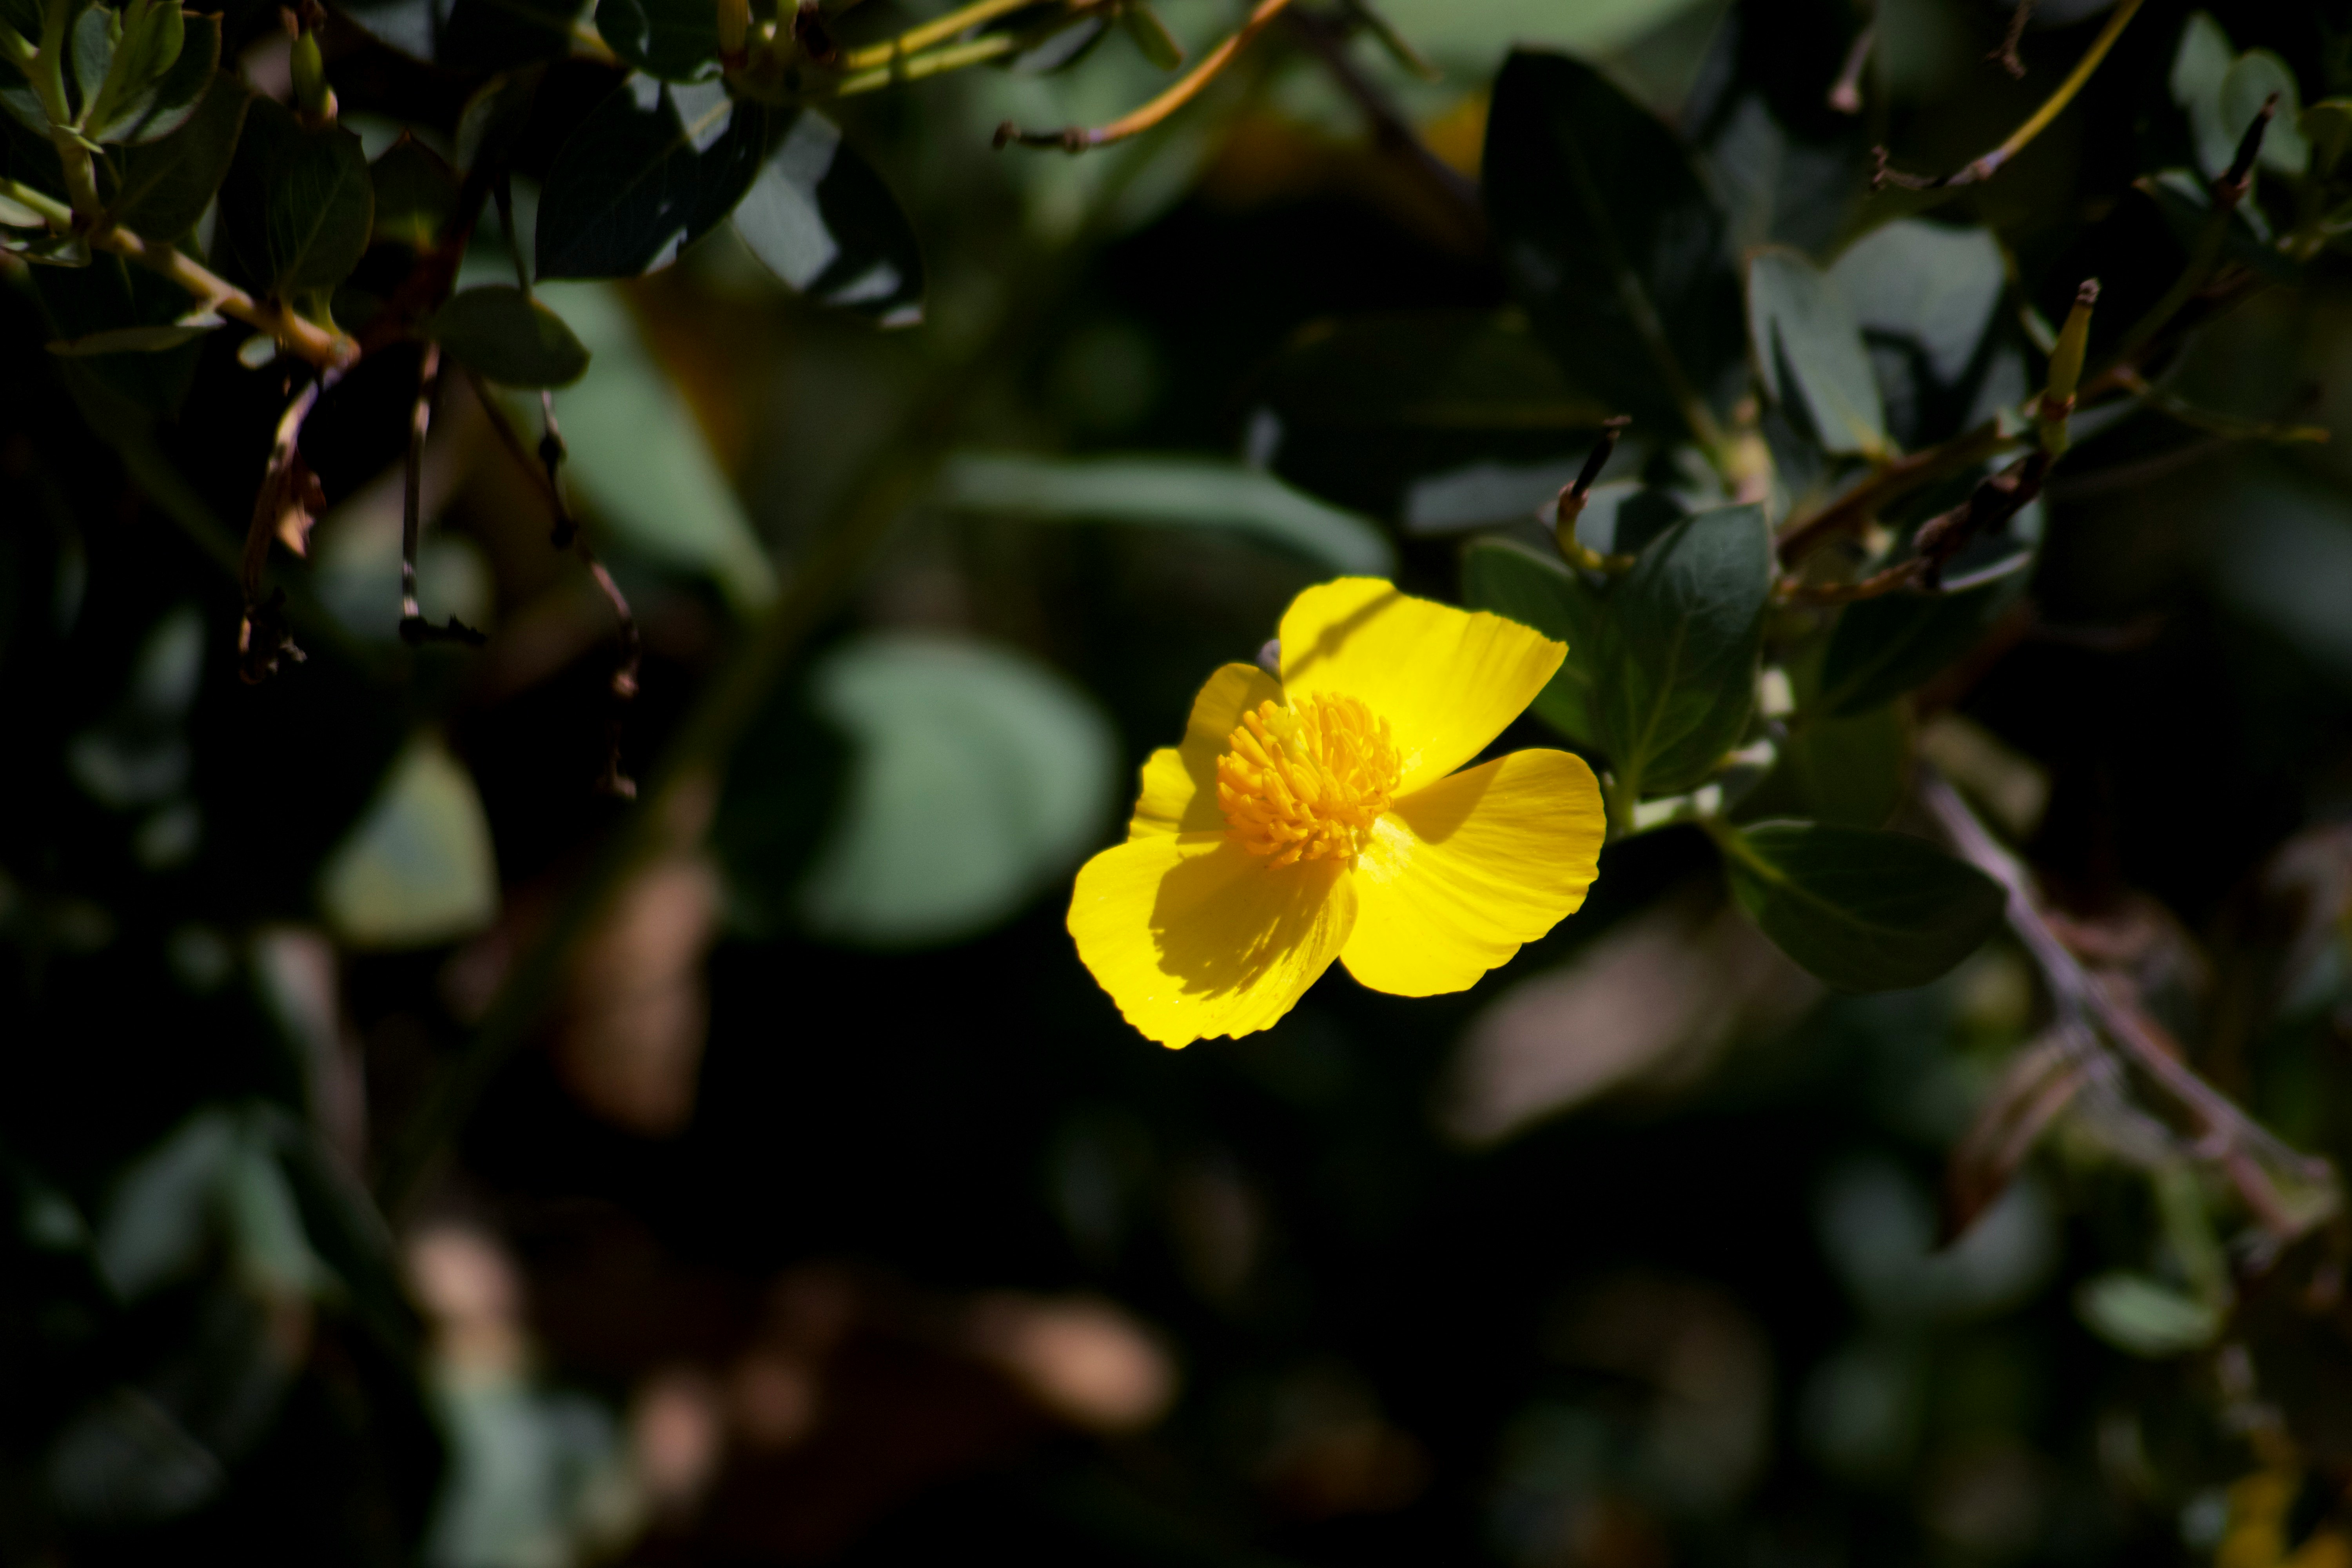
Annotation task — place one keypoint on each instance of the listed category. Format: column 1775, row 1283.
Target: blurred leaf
column 297, row 208
column 90, row 48
column 166, row 185
column 272, row 1251
column 1542, row 591
column 138, row 754
column 2223, row 90
column 509, row 336
column 1882, row 648
column 642, row 462
column 676, row 40
column 415, row 193
column 2328, row 126
column 1865, row 911
column 1151, row 35
column 2144, row 1318
column 1476, row 34
column 158, row 1221
column 2253, row 77
column 820, row 218
column 1176, row 491
column 1686, row 628
column 161, row 105
column 2200, row 63
column 784, row 789
column 346, row 1232
column 1848, row 772
column 1809, row 353
column 1611, row 241
column 652, row 168
column 112, row 294
column 976, row 779
column 417, row 868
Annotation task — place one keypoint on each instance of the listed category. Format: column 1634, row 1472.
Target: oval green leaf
column 1810, row 355
column 652, row 168
column 1862, row 910
column 1541, row 590
column 1686, row 630
column 820, row 218
column 509, row 337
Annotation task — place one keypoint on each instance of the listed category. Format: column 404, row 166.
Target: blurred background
column 806, row 1202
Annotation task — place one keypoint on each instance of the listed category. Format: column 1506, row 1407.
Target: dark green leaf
column 652, row 168
column 977, row 778
column 2252, row 79
column 1848, row 772
column 509, row 337
column 676, row 40
column 165, row 185
column 1686, row 630
column 822, row 220
column 1809, row 352
column 415, row 193
column 1611, row 241
column 1151, row 35
column 1621, row 518
column 1863, row 912
column 1541, row 590
column 111, row 295
column 1927, row 297
column 1883, row 647
column 163, row 105
column 297, row 208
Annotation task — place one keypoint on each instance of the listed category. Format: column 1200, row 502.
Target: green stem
column 48, row 83
column 914, row 67
column 1622, row 795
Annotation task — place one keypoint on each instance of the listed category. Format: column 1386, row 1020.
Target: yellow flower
column 1319, row 816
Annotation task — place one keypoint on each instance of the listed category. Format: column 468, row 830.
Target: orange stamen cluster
column 1307, row 781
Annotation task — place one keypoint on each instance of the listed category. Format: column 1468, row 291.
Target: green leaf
column 509, row 337
column 2328, row 126
column 820, row 218
column 1848, row 772
column 977, row 779
column 415, row 870
column 113, row 295
column 165, row 185
column 640, row 460
column 89, row 44
column 1539, row 590
column 1808, row 353
column 162, row 103
column 1151, row 35
column 1882, row 648
column 676, row 40
column 1687, row 632
column 157, row 1221
column 650, row 170
column 415, row 193
column 1863, row 912
column 1178, row 491
column 2252, row 79
column 1611, row 242
column 1927, row 297
column 297, row 208
column 2145, row 1318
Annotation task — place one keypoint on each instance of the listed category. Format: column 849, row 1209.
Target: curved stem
column 1077, row 138
column 1984, row 168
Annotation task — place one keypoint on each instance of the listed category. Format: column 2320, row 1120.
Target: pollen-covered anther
column 1307, row 781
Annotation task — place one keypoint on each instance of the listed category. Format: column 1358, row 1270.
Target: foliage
column 578, row 581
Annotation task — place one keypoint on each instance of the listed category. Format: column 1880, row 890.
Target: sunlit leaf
column 652, row 168
column 1175, row 491
column 1863, row 912
column 417, row 868
column 975, row 780
column 642, row 463
column 820, row 218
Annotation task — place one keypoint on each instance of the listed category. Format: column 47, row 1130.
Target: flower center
column 1307, row 781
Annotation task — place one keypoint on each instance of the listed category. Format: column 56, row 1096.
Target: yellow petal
column 1179, row 782
column 1458, row 875
column 1447, row 681
column 1194, row 936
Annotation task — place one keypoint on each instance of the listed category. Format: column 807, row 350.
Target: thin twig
column 567, row 535
column 1984, row 168
column 1571, row 504
column 414, row 630
column 283, row 506
column 2007, row 54
column 1859, row 507
column 2228, row 1134
column 2205, row 253
column 1845, row 93
column 1078, row 138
